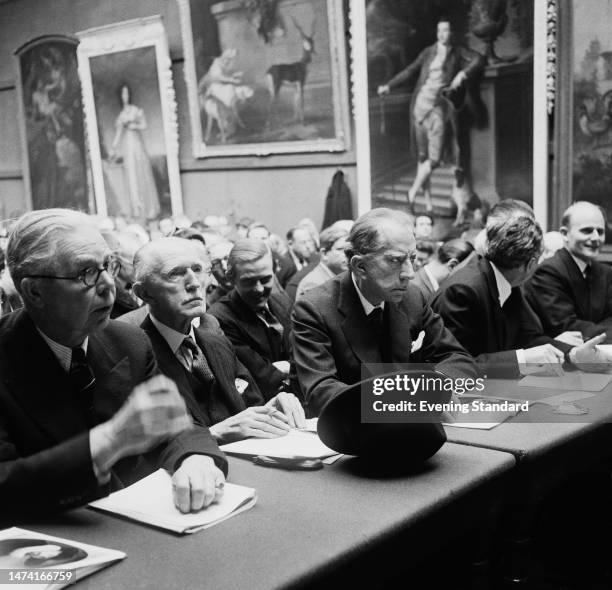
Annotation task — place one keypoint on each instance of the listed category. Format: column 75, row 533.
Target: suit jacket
column 331, row 339
column 468, row 302
column 317, row 276
column 45, row 459
column 291, row 287
column 223, row 363
column 564, row 300
column 422, row 281
column 249, row 335
column 286, row 269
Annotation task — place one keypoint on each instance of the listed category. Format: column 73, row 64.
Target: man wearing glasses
column 370, row 314
column 171, row 277
column 82, row 409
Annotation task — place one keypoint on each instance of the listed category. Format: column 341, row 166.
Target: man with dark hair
column 483, row 306
column 441, row 68
column 301, row 248
column 332, row 262
column 572, row 290
column 255, row 318
column 80, row 398
column 171, row 277
column 448, row 257
column 370, row 314
column 425, row 250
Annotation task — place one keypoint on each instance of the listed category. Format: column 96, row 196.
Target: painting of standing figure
column 131, row 120
column 52, row 123
column 265, row 78
column 450, row 107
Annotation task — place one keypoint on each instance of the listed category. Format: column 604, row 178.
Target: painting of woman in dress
column 129, row 148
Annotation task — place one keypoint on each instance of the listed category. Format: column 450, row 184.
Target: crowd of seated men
column 123, row 350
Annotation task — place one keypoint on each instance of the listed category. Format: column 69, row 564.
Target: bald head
column 584, row 230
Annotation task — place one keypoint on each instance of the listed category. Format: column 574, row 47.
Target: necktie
column 82, row 379
column 588, row 274
column 271, row 320
column 80, row 373
column 199, row 365
column 377, row 327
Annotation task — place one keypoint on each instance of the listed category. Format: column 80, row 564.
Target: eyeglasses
column 89, row 276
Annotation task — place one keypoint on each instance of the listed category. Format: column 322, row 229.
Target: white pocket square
column 241, row 385
column 416, row 344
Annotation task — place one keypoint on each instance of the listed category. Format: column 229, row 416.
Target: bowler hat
column 408, row 443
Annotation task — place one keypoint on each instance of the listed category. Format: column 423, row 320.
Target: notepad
column 33, row 556
column 297, row 443
column 150, row 501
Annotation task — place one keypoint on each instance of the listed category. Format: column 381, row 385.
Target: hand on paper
column 257, row 421
column 587, row 357
column 290, row 406
column 197, row 483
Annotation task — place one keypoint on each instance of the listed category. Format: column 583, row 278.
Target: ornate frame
column 337, row 63
column 120, row 38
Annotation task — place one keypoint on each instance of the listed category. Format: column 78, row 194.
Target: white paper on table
column 577, row 381
column 311, row 425
column 296, row 443
column 569, row 396
column 150, row 500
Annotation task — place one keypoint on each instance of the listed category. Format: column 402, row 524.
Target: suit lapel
column 499, row 329
column 170, row 366
column 580, row 290
column 223, row 368
column 354, row 323
column 40, row 384
column 250, row 323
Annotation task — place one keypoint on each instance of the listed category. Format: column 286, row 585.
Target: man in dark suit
column 572, row 290
column 80, row 398
column 256, row 319
column 370, row 314
column 441, row 67
column 171, row 277
column 484, row 307
column 301, row 248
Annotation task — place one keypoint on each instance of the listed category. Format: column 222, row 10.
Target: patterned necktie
column 271, row 320
column 80, row 373
column 199, row 365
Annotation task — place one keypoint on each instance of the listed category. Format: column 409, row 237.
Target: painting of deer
column 292, row 75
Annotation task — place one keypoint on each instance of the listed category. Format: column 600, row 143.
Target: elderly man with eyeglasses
column 82, row 408
column 171, row 277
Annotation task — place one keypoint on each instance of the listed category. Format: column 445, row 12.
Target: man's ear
column 563, row 231
column 452, row 263
column 357, row 265
column 31, row 292
column 142, row 293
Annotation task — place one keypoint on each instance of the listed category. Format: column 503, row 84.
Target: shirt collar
column 431, row 278
column 62, row 353
column 172, row 336
column 441, row 49
column 504, row 288
column 581, row 264
column 326, row 270
column 367, row 306
column 296, row 260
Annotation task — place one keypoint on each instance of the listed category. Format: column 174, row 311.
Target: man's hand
column 154, row 412
column 572, row 337
column 384, row 89
column 587, row 357
column 197, row 483
column 282, row 366
column 290, row 406
column 256, row 421
column 544, row 354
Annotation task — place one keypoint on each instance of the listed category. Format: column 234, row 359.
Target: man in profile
column 370, row 314
column 171, row 277
column 82, row 409
column 441, row 68
column 483, row 305
column 572, row 290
